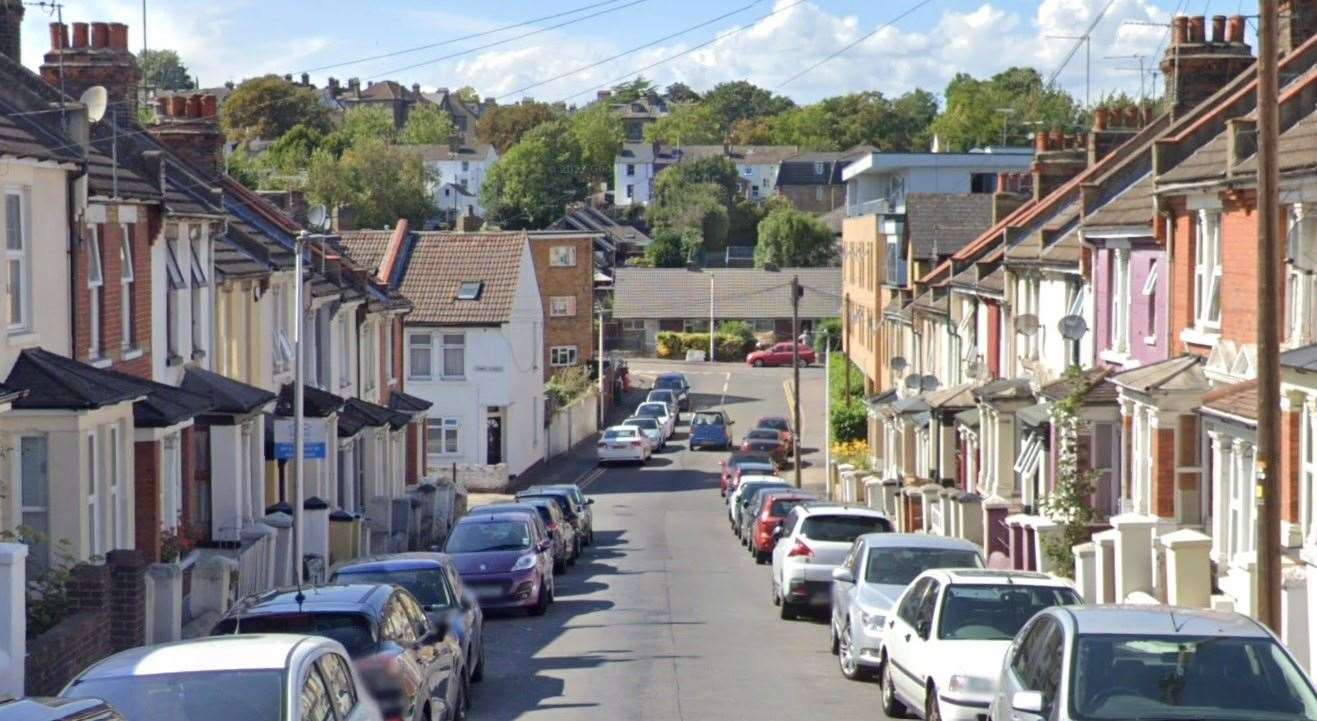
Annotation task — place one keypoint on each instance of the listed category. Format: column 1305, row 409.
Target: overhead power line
column 848, row 46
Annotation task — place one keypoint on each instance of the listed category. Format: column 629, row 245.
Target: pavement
column 666, row 617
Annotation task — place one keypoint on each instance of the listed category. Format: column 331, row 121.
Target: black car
column 566, row 505
column 675, row 382
column 404, row 659
column 563, row 532
column 433, row 580
column 56, row 709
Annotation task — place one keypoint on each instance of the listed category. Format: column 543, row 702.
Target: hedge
column 849, row 422
column 670, row 344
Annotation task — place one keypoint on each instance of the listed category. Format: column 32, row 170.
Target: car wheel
column 541, row 603
column 758, row 364
column 761, row 558
column 891, row 705
column 833, row 643
column 478, row 673
column 850, row 667
column 787, row 611
column 932, row 709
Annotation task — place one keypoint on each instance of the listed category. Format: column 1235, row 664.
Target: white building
column 636, row 166
column 461, row 172
column 876, row 183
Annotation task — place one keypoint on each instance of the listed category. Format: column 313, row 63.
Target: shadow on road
column 702, row 401
column 659, row 481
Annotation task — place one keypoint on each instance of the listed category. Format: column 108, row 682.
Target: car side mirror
column 921, row 627
column 1028, row 702
column 777, row 532
column 544, row 545
column 843, row 575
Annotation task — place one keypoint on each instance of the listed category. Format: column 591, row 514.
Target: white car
column 866, row 586
column 650, row 428
column 623, row 443
column 249, row 676
column 943, row 648
column 1133, row 662
column 813, row 540
column 663, row 395
column 749, row 484
column 661, row 412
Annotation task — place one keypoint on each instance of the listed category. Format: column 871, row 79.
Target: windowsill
column 99, row 362
column 131, row 354
column 1115, row 356
column 23, row 336
column 174, row 359
column 1150, row 340
column 1200, row 337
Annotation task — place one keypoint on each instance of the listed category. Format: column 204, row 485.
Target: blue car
column 711, row 429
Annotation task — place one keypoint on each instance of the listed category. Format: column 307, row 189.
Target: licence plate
column 488, row 591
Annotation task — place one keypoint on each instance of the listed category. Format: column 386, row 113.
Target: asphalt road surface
column 667, row 617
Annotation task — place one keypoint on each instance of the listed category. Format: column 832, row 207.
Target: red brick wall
column 1181, row 289
column 188, row 473
column 146, row 501
column 111, row 324
column 1163, row 473
column 1290, row 434
column 576, row 281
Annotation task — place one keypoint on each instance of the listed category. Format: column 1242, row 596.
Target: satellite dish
column 96, row 100
column 1072, row 327
column 317, row 216
column 913, row 382
column 928, row 383
column 898, row 363
column 1026, row 324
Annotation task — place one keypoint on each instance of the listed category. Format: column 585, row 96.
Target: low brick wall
column 55, row 657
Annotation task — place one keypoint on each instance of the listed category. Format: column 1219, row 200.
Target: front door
column 494, row 439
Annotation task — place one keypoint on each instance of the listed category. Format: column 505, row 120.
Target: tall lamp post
column 299, row 439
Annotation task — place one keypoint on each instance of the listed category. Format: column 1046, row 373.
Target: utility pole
column 299, row 439
column 796, row 292
column 1087, row 39
column 711, row 333
column 603, row 414
column 846, row 346
column 1268, row 349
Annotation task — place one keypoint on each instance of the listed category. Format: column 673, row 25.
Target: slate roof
column 163, row 405
column 408, row 404
column 1003, row 389
column 1101, row 391
column 35, row 135
column 1297, row 149
column 437, row 153
column 1182, row 373
column 1239, row 400
column 745, row 154
column 1066, row 251
column 54, row 382
column 946, row 222
column 357, row 414
column 435, row 264
column 951, row 398
column 803, row 169
column 1035, row 415
column 743, row 293
column 588, row 219
column 1303, row 359
column 1133, row 207
column 316, row 403
column 226, row 395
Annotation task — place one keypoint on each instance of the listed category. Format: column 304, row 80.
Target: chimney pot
column 1179, row 30
column 80, row 35
column 193, row 106
column 209, row 107
column 416, row 88
column 1197, row 27
column 1100, row 118
column 1235, row 29
column 118, row 36
column 58, row 31
column 306, row 78
column 1218, row 28
column 177, row 106
column 100, row 36
column 1039, row 141
column 1131, row 117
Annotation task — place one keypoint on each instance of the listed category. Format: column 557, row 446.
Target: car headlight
column 872, row 621
column 524, row 563
column 964, row 683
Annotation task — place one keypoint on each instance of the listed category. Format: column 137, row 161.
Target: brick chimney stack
column 189, row 126
column 1057, row 158
column 11, row 29
column 1195, row 65
column 1298, row 22
column 100, row 57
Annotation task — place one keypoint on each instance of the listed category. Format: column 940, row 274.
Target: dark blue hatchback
column 710, row 429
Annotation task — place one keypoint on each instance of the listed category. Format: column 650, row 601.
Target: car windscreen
column 753, row 466
column 350, row 629
column 660, row 396
column 777, row 424
column 669, row 382
column 489, row 536
column 249, row 694
column 842, row 528
column 546, row 515
column 1191, row 677
column 764, row 434
column 564, row 503
column 653, row 410
column 621, row 434
column 647, row 422
column 991, row 612
column 426, row 584
column 899, row 566
column 782, row 506
column 708, row 419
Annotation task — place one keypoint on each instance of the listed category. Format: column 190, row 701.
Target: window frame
column 568, row 306
column 557, row 260
column 127, row 287
column 1207, row 269
column 1119, row 280
column 443, row 446
column 1150, row 293
column 21, row 255
column 446, row 344
column 38, row 552
column 412, row 348
column 95, row 541
column 95, row 292
column 563, row 356
column 115, row 500
column 344, row 351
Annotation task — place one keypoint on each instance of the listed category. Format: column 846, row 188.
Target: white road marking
column 727, row 379
column 589, row 477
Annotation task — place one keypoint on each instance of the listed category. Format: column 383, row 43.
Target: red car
column 778, row 423
column 766, row 440
column 738, row 463
column 780, row 355
column 773, row 511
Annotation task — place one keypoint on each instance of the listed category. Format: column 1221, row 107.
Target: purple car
column 505, row 558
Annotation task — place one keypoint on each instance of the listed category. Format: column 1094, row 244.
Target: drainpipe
column 71, row 211
column 1169, row 219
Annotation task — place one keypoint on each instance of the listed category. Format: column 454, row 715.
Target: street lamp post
column 298, row 432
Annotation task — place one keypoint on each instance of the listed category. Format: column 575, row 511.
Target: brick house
column 812, row 181
column 564, row 266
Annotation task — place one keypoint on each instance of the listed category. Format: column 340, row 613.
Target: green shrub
column 669, row 344
column 731, row 347
column 568, row 384
column 827, row 333
column 727, row 347
column 849, row 422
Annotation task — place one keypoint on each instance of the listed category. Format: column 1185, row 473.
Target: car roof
column 652, row 403
column 994, row 577
column 248, row 651
column 646, row 419
column 832, row 508
column 749, row 457
column 500, row 517
column 51, row 709
column 1150, row 620
column 395, row 562
column 500, row 507
column 916, row 540
column 629, row 429
column 339, row 598
column 670, row 374
column 772, row 418
column 554, row 488
column 746, row 480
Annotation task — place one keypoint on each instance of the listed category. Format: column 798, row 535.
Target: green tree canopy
column 686, row 124
column 269, row 106
column 698, row 199
column 530, row 185
column 599, row 132
column 368, row 121
column 504, row 125
column 665, row 251
column 382, row 182
column 680, row 93
column 733, row 101
column 789, row 238
column 467, row 95
column 629, row 90
column 973, row 116
column 163, row 70
column 845, row 121
column 427, row 125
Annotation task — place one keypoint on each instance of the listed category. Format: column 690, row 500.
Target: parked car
column 675, row 382
column 261, row 677
column 580, row 511
column 751, row 507
column 766, row 440
column 650, row 428
column 781, row 425
column 56, row 709
column 741, row 462
column 1126, row 662
column 772, row 511
column 433, row 580
column 866, row 585
column 506, row 559
column 666, row 396
column 748, row 485
column 575, row 513
column 661, row 412
column 710, row 428
column 943, row 648
column 814, row 539
column 623, row 443
column 532, row 514
column 405, row 661
column 567, row 547
column 779, row 355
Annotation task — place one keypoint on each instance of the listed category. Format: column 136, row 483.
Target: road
column 667, row 617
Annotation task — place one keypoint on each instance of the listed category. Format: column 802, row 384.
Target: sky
column 898, row 45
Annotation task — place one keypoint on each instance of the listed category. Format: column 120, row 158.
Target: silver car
column 650, row 428
column 666, row 396
column 865, row 588
column 1141, row 662
column 257, row 677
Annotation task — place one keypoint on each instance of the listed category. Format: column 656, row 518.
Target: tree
column 268, row 106
column 1069, row 505
column 973, row 116
column 530, row 186
column 467, row 95
column 163, row 70
column 680, row 93
column 664, row 250
column 504, row 125
column 427, row 125
column 789, row 238
column 599, row 132
column 380, row 181
column 629, row 90
column 733, row 101
column 686, row 124
column 368, row 121
column 845, row 121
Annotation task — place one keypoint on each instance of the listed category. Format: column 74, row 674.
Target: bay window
column 34, row 479
column 200, row 279
column 1120, row 300
column 344, row 351
column 1207, row 270
column 176, row 284
column 94, row 544
column 1150, row 293
column 369, row 357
